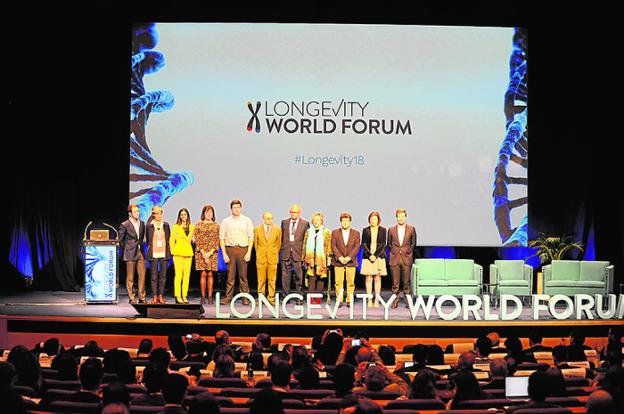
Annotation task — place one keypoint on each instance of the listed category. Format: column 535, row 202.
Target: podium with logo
column 101, row 263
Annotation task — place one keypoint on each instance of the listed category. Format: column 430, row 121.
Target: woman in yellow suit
column 182, row 252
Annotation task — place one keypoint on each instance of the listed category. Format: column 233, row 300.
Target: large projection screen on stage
column 335, row 118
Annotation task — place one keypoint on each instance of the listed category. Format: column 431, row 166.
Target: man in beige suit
column 267, row 242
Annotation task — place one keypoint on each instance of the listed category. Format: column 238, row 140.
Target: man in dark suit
column 91, row 373
column 535, row 344
column 291, row 256
column 131, row 236
column 402, row 241
column 345, row 245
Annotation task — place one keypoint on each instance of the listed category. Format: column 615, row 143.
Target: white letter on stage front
column 567, row 312
column 539, row 306
column 584, row 303
column 420, row 303
column 612, row 303
column 312, row 306
column 456, row 307
column 298, row 308
column 516, row 313
column 218, row 313
column 274, row 309
column 486, row 310
column 364, row 297
column 387, row 304
column 235, row 311
column 474, row 308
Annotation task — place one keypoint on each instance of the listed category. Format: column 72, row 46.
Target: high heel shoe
column 154, row 300
column 202, row 301
column 178, row 300
column 185, row 301
column 210, row 300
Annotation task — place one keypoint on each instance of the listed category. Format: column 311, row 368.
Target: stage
column 66, row 312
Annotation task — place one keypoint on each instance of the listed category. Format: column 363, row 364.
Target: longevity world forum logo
column 321, row 117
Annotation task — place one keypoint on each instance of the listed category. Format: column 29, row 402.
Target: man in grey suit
column 291, row 255
column 401, row 241
column 131, row 236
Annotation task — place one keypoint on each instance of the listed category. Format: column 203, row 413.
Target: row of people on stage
column 300, row 247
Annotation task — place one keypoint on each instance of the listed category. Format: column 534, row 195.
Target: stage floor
column 38, row 311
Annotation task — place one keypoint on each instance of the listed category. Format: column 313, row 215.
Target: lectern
column 101, row 270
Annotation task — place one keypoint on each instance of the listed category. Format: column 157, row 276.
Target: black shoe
column 348, row 304
column 131, row 301
column 299, row 302
column 341, row 304
column 142, row 301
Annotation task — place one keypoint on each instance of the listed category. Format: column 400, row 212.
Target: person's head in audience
column 280, row 374
column 222, row 349
column 222, row 337
column 267, row 401
column 466, row 360
column 495, row 338
column 176, row 346
column 465, row 386
column 331, row 348
column 115, row 408
column 512, row 365
column 483, row 347
column 423, row 386
column 7, row 375
column 435, row 355
column 145, row 347
column 52, row 346
column 160, row 356
column 300, row 358
column 615, row 335
column 539, row 389
column 354, row 405
column 262, row 343
column 27, row 368
column 559, row 355
column 195, row 349
column 600, row 402
column 90, row 374
column 116, row 392
column 204, row 403
column 498, row 368
column 419, row 354
column 308, row 378
column 387, row 354
column 556, row 382
column 174, row 388
column 535, row 339
column 92, row 349
column 66, row 365
column 276, row 357
column 375, row 379
column 112, row 358
column 154, row 376
column 613, row 356
column 316, row 342
column 513, row 345
column 255, row 360
column 577, row 338
column 351, row 355
column 363, row 355
column 126, row 371
column 614, row 384
column 224, row 367
column 344, row 378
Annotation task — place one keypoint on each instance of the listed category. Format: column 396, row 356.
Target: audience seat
column 416, row 404
column 75, row 407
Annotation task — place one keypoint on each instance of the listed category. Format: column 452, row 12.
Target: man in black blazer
column 401, row 241
column 291, row 256
column 131, row 236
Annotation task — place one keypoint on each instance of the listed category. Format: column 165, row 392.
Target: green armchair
column 573, row 277
column 446, row 277
column 511, row 277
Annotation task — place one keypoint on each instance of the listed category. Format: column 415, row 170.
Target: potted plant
column 551, row 248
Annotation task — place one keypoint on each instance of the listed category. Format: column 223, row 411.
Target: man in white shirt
column 236, row 239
